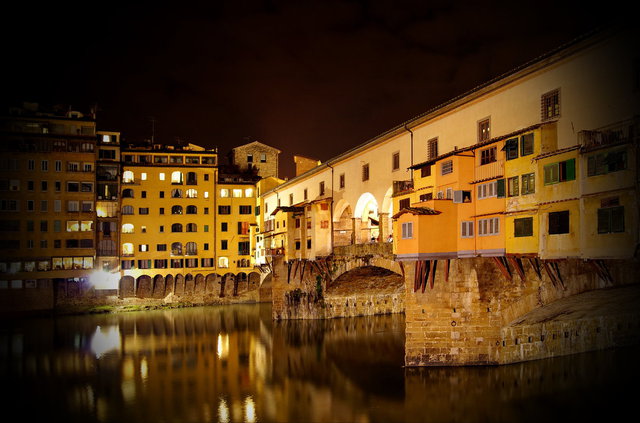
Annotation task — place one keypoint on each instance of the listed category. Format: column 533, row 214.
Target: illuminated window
column 127, row 228
column 86, row 226
column 176, row 177
column 192, row 193
column 73, row 225
column 248, row 192
column 143, row 176
column 223, row 262
column 127, row 249
column 237, row 193
column 224, row 192
column 127, row 177
column 176, row 249
column 484, row 130
column 161, row 176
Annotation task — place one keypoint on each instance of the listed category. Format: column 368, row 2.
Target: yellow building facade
column 168, row 211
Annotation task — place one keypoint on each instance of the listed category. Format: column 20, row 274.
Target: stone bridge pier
column 484, row 311
column 474, row 311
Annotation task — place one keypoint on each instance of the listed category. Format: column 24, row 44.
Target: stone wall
column 295, row 297
column 472, row 317
column 33, row 298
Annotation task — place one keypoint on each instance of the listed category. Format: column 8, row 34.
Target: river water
column 234, row 364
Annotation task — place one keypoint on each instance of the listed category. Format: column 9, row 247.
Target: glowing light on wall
column 101, row 279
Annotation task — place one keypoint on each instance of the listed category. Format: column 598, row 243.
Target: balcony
column 400, row 187
column 618, row 133
column 271, row 252
column 489, row 171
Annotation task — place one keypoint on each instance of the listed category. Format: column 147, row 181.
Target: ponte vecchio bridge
column 509, row 213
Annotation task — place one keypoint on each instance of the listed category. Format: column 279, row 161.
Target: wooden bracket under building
column 447, row 264
column 432, row 273
column 501, row 262
column 516, row 262
column 535, row 264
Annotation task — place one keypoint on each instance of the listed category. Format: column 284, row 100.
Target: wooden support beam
column 432, row 273
column 289, row 263
column 550, row 273
column 556, row 269
column 426, row 269
column 401, row 268
column 517, row 264
column 535, row 264
column 504, row 267
column 416, row 275
column 304, row 264
column 447, row 264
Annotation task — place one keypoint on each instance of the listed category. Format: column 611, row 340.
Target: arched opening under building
column 343, row 224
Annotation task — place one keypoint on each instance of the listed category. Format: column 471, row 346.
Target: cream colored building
column 587, row 84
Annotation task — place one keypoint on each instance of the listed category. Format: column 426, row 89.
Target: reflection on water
column 233, row 364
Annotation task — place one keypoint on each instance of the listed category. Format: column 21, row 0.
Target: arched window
column 192, row 193
column 191, row 248
column 176, row 227
column 191, row 227
column 176, row 249
column 127, row 209
column 223, row 262
column 192, row 210
column 127, row 193
column 127, row 249
column 176, row 193
column 192, row 178
column 176, row 210
column 127, row 177
column 176, row 177
column 127, row 228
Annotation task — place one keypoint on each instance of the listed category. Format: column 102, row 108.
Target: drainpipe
column 331, row 206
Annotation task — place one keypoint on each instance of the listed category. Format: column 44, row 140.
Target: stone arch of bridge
column 345, row 265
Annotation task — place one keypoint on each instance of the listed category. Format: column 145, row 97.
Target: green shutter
column 570, row 170
column 500, row 188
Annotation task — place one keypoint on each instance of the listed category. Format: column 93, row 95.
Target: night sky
column 310, row 78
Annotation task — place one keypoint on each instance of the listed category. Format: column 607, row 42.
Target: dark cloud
column 313, row 78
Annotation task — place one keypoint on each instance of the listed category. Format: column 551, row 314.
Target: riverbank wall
column 76, row 297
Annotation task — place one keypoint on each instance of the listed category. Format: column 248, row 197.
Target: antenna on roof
column 153, row 129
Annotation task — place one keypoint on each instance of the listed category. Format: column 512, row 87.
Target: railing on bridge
column 373, row 248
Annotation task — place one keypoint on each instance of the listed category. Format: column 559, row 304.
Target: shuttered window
column 611, row 220
column 559, row 222
column 511, row 148
column 466, row 229
column 560, row 172
column 407, row 230
column 523, row 227
column 528, row 184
